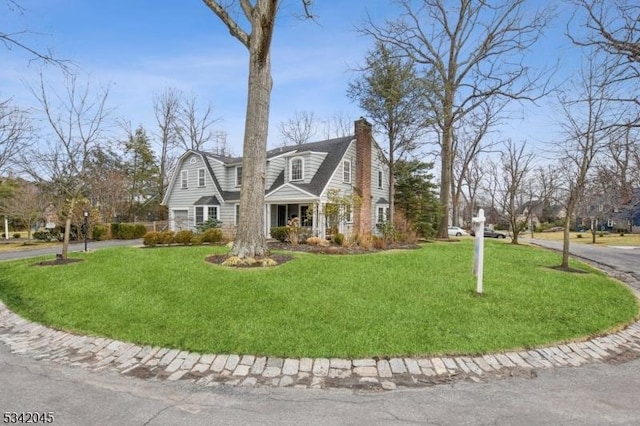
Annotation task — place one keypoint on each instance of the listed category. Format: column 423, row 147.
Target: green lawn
column 415, row 302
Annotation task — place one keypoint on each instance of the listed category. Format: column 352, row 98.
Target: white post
column 479, row 249
column 6, row 228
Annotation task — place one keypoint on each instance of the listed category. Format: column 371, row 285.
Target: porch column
column 321, row 224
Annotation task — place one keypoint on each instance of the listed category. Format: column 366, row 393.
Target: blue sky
column 141, row 47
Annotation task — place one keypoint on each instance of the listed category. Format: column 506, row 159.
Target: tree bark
column 250, row 239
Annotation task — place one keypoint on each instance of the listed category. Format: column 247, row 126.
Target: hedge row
column 127, row 231
column 152, row 239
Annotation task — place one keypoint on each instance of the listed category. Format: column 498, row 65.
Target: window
column 379, row 178
column 237, row 214
column 199, row 215
column 205, row 213
column 212, row 212
column 383, row 213
column 346, row 169
column 348, row 213
column 184, row 179
column 296, row 171
column 201, row 181
column 238, row 175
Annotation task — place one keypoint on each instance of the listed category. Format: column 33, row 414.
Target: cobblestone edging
column 154, row 363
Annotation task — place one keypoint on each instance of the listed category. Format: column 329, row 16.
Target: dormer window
column 296, row 169
column 346, row 171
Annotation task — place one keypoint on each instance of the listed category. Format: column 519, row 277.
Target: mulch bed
column 281, row 258
column 58, row 261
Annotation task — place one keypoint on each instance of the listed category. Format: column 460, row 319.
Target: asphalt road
column 596, row 394
column 74, row 247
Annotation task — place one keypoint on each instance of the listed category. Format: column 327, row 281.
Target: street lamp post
column 86, row 228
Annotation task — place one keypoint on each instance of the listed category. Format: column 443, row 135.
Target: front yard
column 404, row 302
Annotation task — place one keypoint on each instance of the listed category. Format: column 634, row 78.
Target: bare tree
column 166, row 106
column 194, row 127
column 517, row 197
column 15, row 135
column 77, row 120
column 298, row 129
column 614, row 28
column 476, row 50
column 338, row 125
column 587, row 118
column 471, row 184
column 14, row 40
column 469, row 141
column 26, row 203
column 259, row 18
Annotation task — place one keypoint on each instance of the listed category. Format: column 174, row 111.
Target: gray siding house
column 298, row 182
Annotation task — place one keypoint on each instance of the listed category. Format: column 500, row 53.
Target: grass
column 416, row 302
column 608, row 239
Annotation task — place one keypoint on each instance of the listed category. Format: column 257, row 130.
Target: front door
column 282, row 215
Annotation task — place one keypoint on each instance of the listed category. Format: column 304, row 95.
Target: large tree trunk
column 445, row 180
column 250, row 240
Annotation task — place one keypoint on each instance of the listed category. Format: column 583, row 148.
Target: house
column 627, row 216
column 299, row 182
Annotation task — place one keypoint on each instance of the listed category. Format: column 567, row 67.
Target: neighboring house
column 298, row 182
column 627, row 216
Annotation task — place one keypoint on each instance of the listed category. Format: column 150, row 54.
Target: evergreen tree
column 142, row 171
column 416, row 196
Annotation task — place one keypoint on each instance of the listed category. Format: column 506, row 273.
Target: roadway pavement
column 73, row 247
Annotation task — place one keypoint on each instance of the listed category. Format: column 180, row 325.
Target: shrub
column 209, row 224
column 99, row 233
column 167, row 237
column 280, row 233
column 184, row 237
column 128, row 231
column 212, row 235
column 622, row 234
column 314, row 241
column 16, row 235
column 379, row 243
column 579, row 236
column 366, row 241
column 115, row 230
column 152, row 239
column 338, row 239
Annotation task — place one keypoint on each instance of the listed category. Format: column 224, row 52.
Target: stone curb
column 162, row 364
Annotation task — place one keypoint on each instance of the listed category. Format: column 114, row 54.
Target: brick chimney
column 362, row 217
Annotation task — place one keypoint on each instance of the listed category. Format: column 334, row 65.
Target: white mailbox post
column 478, row 255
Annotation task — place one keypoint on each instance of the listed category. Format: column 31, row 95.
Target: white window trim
column 385, row 210
column 184, row 179
column 202, row 178
column 291, row 179
column 238, row 168
column 348, row 214
column 344, row 163
column 380, row 179
column 205, row 213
